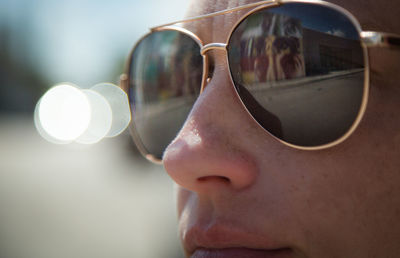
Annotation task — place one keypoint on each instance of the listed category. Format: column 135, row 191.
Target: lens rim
column 124, row 79
column 125, row 84
column 364, row 100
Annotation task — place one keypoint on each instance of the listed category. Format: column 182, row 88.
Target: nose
column 211, row 152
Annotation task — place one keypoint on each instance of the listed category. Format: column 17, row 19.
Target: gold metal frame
column 124, row 83
column 367, row 38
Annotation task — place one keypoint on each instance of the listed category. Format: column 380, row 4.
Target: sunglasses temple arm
column 123, row 82
column 230, row 10
column 380, row 39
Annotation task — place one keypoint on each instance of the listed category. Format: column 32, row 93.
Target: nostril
column 221, row 179
column 207, row 162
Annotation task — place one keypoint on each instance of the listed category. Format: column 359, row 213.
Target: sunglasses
column 300, row 69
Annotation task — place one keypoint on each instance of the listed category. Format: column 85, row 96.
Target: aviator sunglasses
column 300, row 69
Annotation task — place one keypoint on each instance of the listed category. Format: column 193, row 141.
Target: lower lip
column 242, row 252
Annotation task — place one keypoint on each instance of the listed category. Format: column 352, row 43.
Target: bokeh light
column 119, row 104
column 64, row 112
column 100, row 119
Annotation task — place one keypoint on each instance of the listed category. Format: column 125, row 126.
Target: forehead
column 372, row 14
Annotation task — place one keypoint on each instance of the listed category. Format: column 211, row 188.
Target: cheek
column 335, row 203
column 349, row 195
column 346, row 197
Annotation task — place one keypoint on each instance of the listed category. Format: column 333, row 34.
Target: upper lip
column 220, row 236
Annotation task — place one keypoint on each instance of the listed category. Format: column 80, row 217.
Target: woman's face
column 240, row 192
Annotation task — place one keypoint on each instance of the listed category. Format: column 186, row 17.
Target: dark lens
column 165, row 79
column 299, row 69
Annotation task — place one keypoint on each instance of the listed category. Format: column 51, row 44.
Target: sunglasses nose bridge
column 203, row 51
column 212, row 46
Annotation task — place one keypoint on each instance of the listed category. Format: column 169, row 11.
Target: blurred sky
column 81, row 41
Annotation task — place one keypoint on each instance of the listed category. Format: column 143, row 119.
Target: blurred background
column 73, row 201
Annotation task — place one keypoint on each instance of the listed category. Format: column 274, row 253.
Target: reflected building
column 271, row 47
column 325, row 52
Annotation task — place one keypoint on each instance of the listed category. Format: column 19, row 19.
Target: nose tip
column 213, row 151
column 204, row 163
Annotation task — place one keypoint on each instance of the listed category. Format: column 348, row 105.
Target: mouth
column 242, row 253
column 217, row 240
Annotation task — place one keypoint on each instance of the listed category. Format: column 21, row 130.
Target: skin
column 233, row 177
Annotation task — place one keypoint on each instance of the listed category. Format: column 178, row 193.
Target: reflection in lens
column 303, row 65
column 166, row 72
